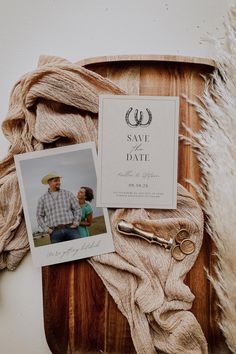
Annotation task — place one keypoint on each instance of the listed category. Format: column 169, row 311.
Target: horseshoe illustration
column 138, row 121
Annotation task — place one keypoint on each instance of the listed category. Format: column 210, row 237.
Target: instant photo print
column 58, row 190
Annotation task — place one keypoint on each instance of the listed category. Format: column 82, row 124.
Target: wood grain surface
column 79, row 314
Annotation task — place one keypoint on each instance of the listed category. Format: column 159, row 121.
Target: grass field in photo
column 98, row 227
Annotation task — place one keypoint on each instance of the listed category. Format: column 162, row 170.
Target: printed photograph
column 58, row 189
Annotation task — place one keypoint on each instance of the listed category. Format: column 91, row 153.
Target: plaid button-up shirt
column 60, row 208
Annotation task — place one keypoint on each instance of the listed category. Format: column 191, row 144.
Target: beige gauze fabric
column 57, row 105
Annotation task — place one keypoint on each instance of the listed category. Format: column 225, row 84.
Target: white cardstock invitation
column 138, row 151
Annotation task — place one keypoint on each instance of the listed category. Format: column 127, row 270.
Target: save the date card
column 138, row 151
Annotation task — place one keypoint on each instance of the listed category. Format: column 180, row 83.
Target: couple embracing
column 60, row 214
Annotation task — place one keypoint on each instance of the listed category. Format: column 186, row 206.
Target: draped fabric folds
column 57, row 105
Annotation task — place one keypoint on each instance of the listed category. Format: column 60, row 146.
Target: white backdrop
column 76, row 29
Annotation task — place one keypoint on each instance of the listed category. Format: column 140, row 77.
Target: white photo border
column 69, row 250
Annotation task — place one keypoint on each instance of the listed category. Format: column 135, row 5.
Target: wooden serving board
column 79, row 314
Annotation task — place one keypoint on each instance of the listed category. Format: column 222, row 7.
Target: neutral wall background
column 76, row 29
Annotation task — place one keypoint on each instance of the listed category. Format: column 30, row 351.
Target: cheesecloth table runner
column 56, row 105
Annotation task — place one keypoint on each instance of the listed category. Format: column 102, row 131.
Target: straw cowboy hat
column 51, row 175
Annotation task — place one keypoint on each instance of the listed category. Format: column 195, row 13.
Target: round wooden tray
column 79, row 314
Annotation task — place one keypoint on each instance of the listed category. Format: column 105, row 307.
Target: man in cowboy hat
column 58, row 211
